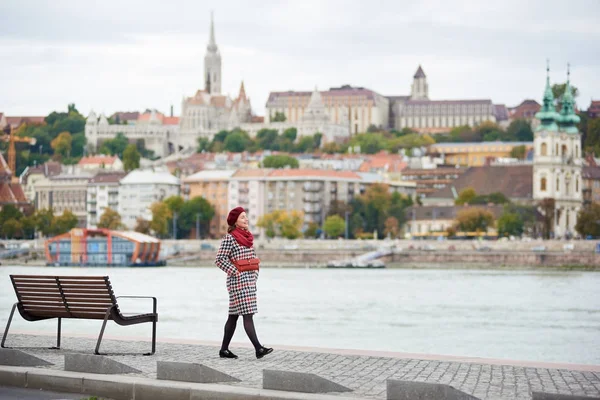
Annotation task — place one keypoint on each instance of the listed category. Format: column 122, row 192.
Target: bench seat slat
column 58, row 302
column 54, row 277
column 88, row 292
column 29, row 281
column 79, row 286
column 36, row 285
column 41, row 295
column 34, row 308
column 106, row 300
column 35, row 290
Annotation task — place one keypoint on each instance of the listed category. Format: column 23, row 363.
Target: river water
column 512, row 314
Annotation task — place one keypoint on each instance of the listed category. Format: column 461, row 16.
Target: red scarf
column 243, row 237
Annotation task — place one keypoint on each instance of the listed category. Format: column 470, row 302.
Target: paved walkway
column 365, row 374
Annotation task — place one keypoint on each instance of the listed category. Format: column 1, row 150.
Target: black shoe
column 226, row 354
column 263, row 351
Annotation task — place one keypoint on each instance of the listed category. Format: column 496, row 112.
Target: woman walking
column 237, row 258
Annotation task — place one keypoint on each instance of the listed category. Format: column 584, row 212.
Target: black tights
column 248, row 327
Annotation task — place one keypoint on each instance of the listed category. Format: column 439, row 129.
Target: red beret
column 233, row 215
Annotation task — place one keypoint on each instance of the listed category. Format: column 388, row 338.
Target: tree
column 11, row 229
column 339, row 207
column 175, row 203
column 474, row 219
column 203, row 145
column 237, row 141
column 465, row 196
column 280, row 161
column 510, row 224
column 278, row 117
column 369, row 143
column 110, row 219
column 115, row 146
column 306, row 144
column 334, row 226
column 547, row 207
column 267, row 139
column 410, row 141
column 62, row 144
column 518, row 152
column 161, row 214
column 290, row 224
column 488, row 131
column 520, row 130
column 592, row 139
column 131, row 158
column 558, row 90
column 588, row 221
column 311, row 230
column 290, row 134
column 391, row 227
column 282, row 223
column 196, row 209
column 9, row 212
column 78, row 144
column 142, row 226
column 45, row 221
column 65, row 222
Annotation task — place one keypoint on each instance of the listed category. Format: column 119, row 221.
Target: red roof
column 17, row 121
column 101, row 159
column 171, row 121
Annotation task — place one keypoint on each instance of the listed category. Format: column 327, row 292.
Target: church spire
column 212, row 43
column 568, row 119
column 547, row 114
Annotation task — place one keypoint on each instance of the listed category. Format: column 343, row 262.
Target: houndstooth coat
column 240, row 285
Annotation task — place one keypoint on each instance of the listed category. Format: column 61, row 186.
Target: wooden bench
column 42, row 297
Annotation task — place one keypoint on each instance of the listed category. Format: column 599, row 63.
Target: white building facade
column 102, row 193
column 557, row 166
column 139, row 189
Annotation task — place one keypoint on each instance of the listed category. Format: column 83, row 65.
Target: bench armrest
column 141, row 297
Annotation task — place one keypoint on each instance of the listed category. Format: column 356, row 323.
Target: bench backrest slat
column 64, row 296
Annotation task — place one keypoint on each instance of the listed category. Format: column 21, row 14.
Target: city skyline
column 129, row 57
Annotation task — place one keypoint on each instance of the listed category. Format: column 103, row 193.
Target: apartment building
column 102, row 193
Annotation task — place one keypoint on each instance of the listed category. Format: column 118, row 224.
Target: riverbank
column 363, row 372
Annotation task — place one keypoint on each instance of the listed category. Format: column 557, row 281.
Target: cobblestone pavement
column 365, row 375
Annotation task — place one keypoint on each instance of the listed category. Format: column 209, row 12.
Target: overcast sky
column 131, row 55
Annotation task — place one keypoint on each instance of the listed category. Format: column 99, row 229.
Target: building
column 209, row 111
column 139, row 189
column 427, row 219
column 420, row 113
column 526, row 110
column 590, row 176
column 16, row 122
column 262, row 191
column 102, row 193
column 474, row 154
column 515, row 181
column 103, row 247
column 430, row 180
column 158, row 132
column 31, row 175
column 101, row 162
column 593, row 110
column 11, row 193
column 213, row 186
column 355, row 107
column 64, row 191
column 557, row 167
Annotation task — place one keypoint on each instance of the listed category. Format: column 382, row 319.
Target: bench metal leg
column 12, row 312
column 153, row 340
column 97, row 351
column 58, row 335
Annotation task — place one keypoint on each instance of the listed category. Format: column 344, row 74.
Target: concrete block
column 190, row 372
column 299, row 382
column 96, row 365
column 407, row 390
column 13, row 378
column 159, row 391
column 109, row 389
column 46, row 381
column 555, row 396
column 19, row 358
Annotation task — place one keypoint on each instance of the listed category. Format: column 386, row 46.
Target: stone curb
column 126, row 388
